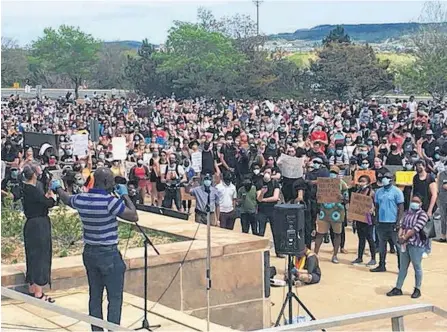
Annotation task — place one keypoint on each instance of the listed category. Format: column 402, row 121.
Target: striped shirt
column 415, row 220
column 98, row 211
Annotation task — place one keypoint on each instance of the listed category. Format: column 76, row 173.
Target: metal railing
column 61, row 310
column 396, row 314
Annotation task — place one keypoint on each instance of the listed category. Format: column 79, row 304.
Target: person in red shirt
column 319, row 135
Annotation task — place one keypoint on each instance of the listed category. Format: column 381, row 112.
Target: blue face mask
column 333, row 176
column 415, row 206
column 207, row 183
column 316, row 166
column 339, row 152
column 386, row 181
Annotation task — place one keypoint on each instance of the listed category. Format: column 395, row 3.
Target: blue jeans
column 105, row 269
column 412, row 254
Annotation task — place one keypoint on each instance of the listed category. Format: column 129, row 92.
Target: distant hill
column 127, row 44
column 371, row 33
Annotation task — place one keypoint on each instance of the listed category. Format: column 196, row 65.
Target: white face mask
column 267, row 177
column 256, row 171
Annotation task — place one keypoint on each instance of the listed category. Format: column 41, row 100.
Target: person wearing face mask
column 247, row 203
column 272, row 149
column 424, row 186
column 37, row 232
column 12, row 186
column 134, row 194
column 174, row 177
column 201, row 194
column 418, row 131
column 389, row 202
column 227, row 202
column 332, row 215
column 413, row 241
column 365, row 227
column 52, row 164
column 228, row 155
column 443, row 138
column 118, row 169
column 140, row 174
column 429, row 145
column 395, row 157
column 267, row 196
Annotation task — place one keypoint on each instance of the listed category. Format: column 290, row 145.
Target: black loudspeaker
column 288, row 229
column 267, row 273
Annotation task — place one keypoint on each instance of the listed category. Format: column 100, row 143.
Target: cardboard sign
column 291, row 167
column 80, row 144
column 119, row 150
column 16, row 85
column 405, row 178
column 359, row 206
column 368, row 172
column 196, row 161
column 328, row 190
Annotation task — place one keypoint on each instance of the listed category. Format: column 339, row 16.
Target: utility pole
column 257, row 4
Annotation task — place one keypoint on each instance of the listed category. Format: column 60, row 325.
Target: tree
column 109, row 71
column 200, row 62
column 141, row 72
column 67, row 51
column 14, row 62
column 429, row 43
column 350, row 71
column 337, row 35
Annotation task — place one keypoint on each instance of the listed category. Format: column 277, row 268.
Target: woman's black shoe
column 416, row 293
column 392, row 250
column 442, row 240
column 378, row 269
column 394, row 292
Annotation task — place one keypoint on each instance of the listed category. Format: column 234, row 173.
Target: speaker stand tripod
column 290, row 296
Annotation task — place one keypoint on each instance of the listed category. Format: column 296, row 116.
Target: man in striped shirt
column 105, row 267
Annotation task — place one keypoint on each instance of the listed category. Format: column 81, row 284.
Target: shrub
column 12, row 219
column 66, row 226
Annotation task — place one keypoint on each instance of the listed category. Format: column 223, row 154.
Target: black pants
column 265, row 217
column 308, row 226
column 387, row 232
column 172, row 195
column 187, row 205
column 227, row 219
column 365, row 233
column 247, row 220
column 287, row 189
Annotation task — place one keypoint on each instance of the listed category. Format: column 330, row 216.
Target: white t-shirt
column 227, row 194
column 180, row 170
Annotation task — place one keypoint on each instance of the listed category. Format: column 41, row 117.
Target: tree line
column 215, row 57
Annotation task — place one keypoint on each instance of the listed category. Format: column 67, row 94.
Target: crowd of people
column 179, row 150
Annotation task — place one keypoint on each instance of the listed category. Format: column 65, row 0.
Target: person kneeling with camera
column 307, row 269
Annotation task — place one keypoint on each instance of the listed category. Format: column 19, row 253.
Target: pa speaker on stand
column 288, row 237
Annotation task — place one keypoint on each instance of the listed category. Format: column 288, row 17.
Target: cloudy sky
column 110, row 20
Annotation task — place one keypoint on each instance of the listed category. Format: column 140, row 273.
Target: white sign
column 196, row 161
column 80, row 144
column 119, row 150
column 291, row 167
column 146, row 158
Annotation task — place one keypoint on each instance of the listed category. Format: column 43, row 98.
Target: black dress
column 37, row 235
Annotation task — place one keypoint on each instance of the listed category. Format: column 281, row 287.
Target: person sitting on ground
column 307, row 269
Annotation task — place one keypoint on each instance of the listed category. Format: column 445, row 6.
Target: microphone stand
column 145, row 323
column 208, row 256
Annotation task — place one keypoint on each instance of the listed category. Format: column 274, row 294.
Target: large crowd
column 175, row 149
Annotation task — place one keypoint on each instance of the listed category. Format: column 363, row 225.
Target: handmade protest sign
column 359, row 206
column 328, row 190
column 291, row 167
column 80, row 144
column 196, row 161
column 405, row 178
column 119, row 148
column 368, row 172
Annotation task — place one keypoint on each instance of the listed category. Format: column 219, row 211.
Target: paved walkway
column 346, row 289
column 18, row 316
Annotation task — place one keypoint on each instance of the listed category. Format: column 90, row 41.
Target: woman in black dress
column 37, row 232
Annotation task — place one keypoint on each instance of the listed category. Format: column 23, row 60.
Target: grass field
column 302, row 60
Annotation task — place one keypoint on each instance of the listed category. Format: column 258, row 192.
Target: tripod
column 145, row 323
column 290, row 296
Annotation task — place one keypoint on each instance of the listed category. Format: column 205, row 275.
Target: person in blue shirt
column 389, row 202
